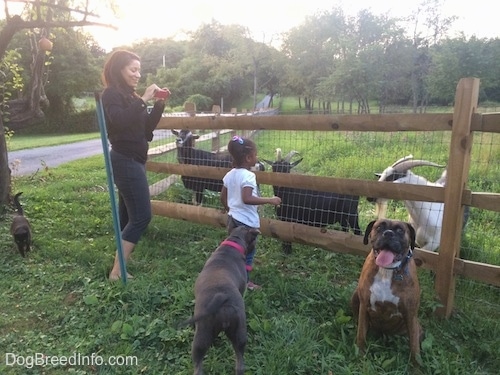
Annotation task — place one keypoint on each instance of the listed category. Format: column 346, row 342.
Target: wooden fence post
column 216, row 141
column 466, row 99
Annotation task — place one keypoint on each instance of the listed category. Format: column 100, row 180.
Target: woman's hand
column 149, row 93
column 162, row 94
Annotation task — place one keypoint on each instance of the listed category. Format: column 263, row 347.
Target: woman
column 130, row 128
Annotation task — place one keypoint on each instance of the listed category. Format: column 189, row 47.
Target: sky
column 265, row 19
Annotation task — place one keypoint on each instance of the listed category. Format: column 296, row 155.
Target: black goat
column 311, row 207
column 188, row 154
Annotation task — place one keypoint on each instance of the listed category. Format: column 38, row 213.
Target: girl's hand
column 275, row 201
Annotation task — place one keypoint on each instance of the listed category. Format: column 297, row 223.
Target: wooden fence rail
column 462, row 124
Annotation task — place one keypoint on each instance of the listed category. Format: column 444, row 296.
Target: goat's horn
column 290, row 155
column 408, row 157
column 278, row 154
column 408, row 164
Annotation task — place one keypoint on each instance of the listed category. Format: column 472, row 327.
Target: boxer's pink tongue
column 384, row 258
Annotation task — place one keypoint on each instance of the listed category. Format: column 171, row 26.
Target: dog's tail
column 212, row 308
column 19, row 208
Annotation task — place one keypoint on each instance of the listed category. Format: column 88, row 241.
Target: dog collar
column 237, row 246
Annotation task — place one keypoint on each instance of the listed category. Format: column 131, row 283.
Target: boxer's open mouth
column 384, row 257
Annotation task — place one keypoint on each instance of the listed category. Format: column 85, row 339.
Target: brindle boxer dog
column 219, row 304
column 387, row 298
column 21, row 229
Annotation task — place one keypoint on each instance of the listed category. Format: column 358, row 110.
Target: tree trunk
column 29, row 108
column 4, row 169
column 11, row 27
column 7, row 33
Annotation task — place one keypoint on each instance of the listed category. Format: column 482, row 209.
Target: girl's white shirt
column 234, row 181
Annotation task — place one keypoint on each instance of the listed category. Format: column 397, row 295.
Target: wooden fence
column 462, row 123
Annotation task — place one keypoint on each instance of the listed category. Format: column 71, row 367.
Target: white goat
column 426, row 217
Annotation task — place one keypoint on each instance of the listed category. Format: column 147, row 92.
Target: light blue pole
column 109, row 172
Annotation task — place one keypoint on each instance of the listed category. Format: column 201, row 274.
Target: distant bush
column 203, row 103
column 76, row 122
column 82, row 122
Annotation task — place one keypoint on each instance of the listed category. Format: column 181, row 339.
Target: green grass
column 57, row 301
column 21, row 142
column 290, row 105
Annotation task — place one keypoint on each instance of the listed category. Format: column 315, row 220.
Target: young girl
column 240, row 194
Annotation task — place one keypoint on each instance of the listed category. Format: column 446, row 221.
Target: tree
column 455, row 58
column 78, row 63
column 433, row 28
column 395, row 72
column 39, row 16
column 490, row 79
column 215, row 63
column 159, row 53
column 313, row 49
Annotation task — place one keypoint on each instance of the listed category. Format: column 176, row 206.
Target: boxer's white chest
column 381, row 288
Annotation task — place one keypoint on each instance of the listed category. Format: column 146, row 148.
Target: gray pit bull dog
column 219, row 304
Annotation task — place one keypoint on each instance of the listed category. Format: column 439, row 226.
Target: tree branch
column 55, row 6
column 16, row 23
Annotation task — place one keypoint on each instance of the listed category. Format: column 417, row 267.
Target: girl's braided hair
column 239, row 148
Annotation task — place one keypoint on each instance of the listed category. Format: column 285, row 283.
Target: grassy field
column 58, row 302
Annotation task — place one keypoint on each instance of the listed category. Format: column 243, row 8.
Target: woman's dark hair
column 111, row 75
column 239, row 148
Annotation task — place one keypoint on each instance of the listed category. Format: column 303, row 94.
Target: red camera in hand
column 162, row 94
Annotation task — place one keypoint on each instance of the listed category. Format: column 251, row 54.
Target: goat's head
column 402, row 167
column 398, row 172
column 258, row 167
column 442, row 180
column 283, row 165
column 185, row 138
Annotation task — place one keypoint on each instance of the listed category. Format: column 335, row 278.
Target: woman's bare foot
column 118, row 276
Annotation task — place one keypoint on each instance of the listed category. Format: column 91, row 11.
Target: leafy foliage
column 73, row 71
column 203, row 103
column 10, row 81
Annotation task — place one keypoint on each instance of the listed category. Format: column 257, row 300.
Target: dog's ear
column 251, row 237
column 367, row 231
column 412, row 235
